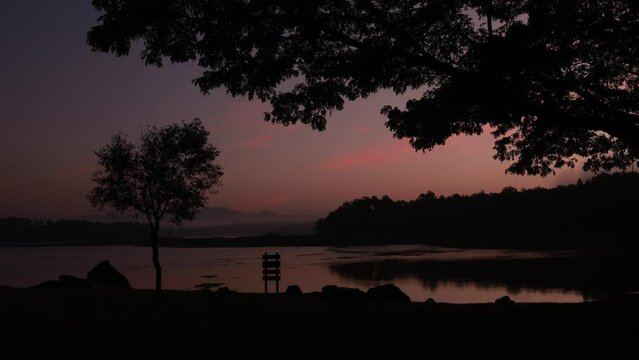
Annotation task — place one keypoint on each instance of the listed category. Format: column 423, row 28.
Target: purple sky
column 59, row 102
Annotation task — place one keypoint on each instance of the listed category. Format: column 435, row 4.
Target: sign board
column 271, row 270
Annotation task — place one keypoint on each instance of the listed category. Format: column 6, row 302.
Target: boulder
column 430, row 301
column 504, row 300
column 225, row 291
column 341, row 294
column 105, row 275
column 388, row 292
column 293, row 291
column 208, row 286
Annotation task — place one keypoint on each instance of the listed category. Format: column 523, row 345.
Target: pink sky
column 60, row 102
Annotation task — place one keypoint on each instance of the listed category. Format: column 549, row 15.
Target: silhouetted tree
column 591, row 210
column 169, row 171
column 553, row 79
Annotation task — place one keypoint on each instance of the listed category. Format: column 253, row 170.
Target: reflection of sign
column 271, row 270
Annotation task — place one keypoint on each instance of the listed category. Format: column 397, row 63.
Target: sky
column 59, row 102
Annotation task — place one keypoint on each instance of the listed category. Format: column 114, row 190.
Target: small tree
column 169, row 171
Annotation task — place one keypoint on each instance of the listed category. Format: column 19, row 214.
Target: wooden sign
column 271, row 271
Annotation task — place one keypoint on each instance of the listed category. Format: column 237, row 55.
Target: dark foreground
column 129, row 324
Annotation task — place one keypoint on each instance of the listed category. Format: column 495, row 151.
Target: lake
column 309, row 267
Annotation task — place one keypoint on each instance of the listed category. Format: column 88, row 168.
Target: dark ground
column 135, row 324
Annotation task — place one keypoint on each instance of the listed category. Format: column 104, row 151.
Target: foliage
column 552, row 80
column 597, row 206
column 170, row 171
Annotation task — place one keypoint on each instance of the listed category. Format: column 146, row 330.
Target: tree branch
column 423, row 60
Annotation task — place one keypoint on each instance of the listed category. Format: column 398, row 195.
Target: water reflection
column 558, row 275
column 447, row 275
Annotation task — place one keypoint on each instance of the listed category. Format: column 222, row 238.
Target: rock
column 388, row 292
column 65, row 282
column 430, row 301
column 208, row 286
column 225, row 291
column 105, row 275
column 293, row 291
column 504, row 300
column 341, row 294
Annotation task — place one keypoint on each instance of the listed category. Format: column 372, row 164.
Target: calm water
column 240, row 269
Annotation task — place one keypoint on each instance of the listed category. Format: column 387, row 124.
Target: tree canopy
column 169, row 171
column 552, row 80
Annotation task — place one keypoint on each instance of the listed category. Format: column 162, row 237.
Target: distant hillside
column 595, row 213
column 212, row 217
column 28, row 232
column 599, row 210
column 241, row 229
column 126, row 230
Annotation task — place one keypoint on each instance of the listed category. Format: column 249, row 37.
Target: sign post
column 271, row 271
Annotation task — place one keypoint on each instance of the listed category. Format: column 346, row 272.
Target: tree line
column 22, row 231
column 592, row 212
column 581, row 213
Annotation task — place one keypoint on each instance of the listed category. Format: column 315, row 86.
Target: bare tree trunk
column 489, row 18
column 155, row 231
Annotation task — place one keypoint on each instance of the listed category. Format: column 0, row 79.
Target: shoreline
column 189, row 322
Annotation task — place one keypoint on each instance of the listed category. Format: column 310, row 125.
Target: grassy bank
column 136, row 323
